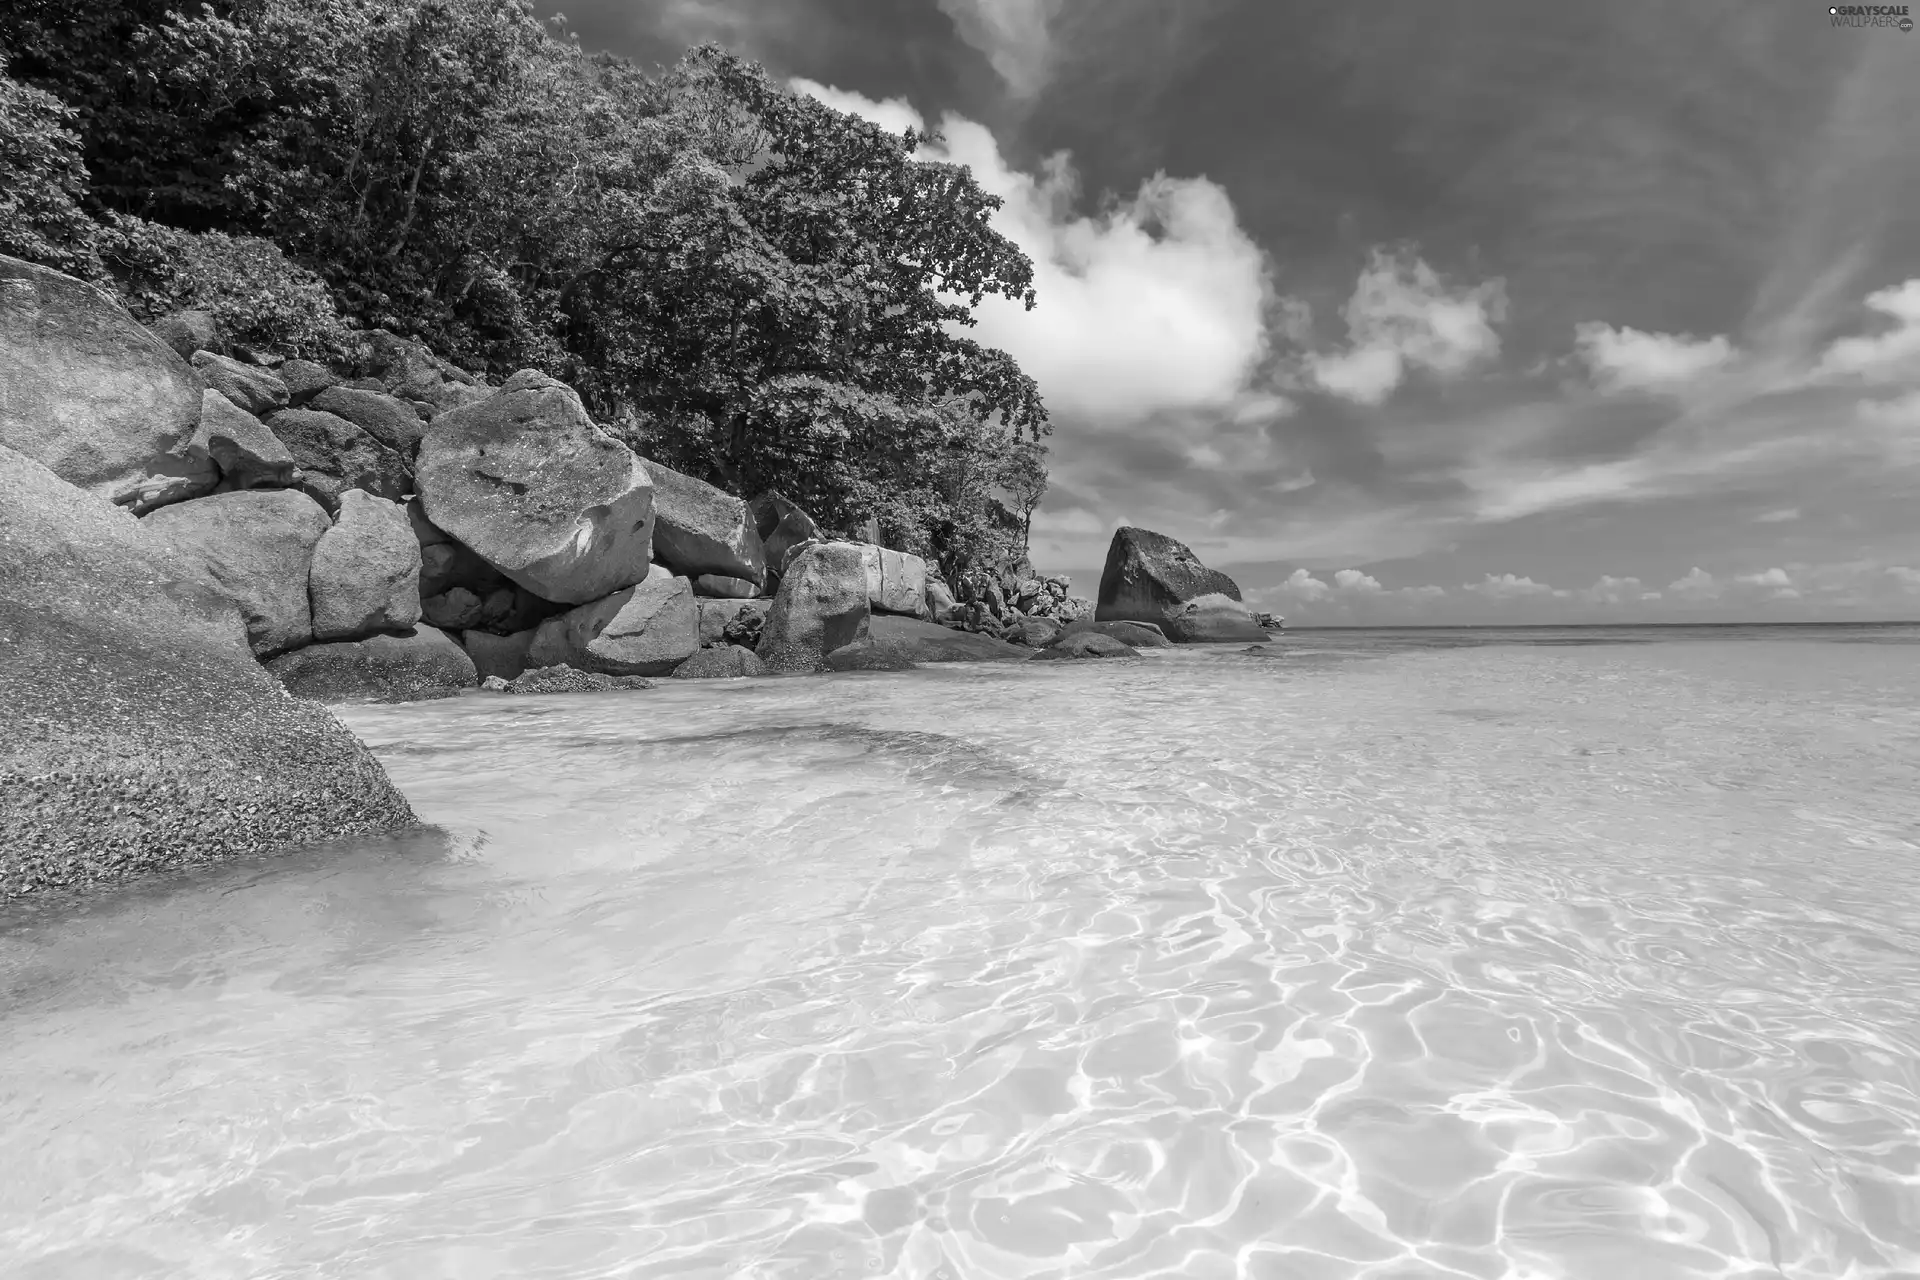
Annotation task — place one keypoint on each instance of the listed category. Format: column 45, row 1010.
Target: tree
column 42, row 181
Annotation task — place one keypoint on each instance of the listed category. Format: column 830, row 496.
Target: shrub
column 258, row 296
column 42, row 181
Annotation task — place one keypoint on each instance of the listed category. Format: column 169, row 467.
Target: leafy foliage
column 42, row 182
column 747, row 284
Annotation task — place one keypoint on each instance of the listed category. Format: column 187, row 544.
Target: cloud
column 1891, row 355
column 1508, row 587
column 1625, row 359
column 1608, row 589
column 1697, row 585
column 1355, row 581
column 1305, row 594
column 1403, row 317
column 1781, row 516
column 1908, row 579
column 1015, row 35
column 1775, row 577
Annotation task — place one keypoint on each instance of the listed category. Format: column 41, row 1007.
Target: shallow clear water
column 1530, row 961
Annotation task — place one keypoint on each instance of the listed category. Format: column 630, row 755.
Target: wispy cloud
column 1015, row 35
column 1401, row 318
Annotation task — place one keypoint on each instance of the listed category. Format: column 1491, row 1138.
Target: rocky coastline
column 201, row 545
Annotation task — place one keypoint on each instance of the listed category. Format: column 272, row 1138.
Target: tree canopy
column 744, row 282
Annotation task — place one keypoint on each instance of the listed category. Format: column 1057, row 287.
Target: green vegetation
column 742, row 282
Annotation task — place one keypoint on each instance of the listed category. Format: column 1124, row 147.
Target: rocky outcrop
column 416, row 666
column 257, row 547
column 365, row 577
column 136, row 730
column 724, row 662
column 526, row 480
column 896, row 581
column 258, row 391
column 644, row 630
column 1150, row 577
column 388, row 419
column 1140, row 635
column 916, row 640
column 822, row 605
column 244, row 448
column 1034, row 633
column 334, row 455
column 1086, row 644
column 92, row 396
column 565, row 679
column 782, row 527
column 700, row 530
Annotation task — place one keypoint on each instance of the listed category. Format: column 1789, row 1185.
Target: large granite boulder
column 94, row 397
column 730, row 621
column 245, row 449
column 782, row 527
column 821, row 605
column 304, row 380
column 698, row 529
column 917, row 640
column 1150, row 577
column 1086, row 644
column 527, row 480
column 726, row 662
column 335, row 455
column 643, row 630
column 136, row 730
column 405, row 368
column 1034, row 633
column 502, row 657
column 392, row 421
column 365, row 577
column 412, row 667
column 1140, row 635
column 257, row 546
column 258, row 391
column 896, row 581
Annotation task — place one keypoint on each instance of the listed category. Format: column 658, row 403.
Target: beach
column 1590, row 953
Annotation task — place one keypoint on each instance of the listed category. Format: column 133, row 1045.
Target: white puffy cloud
column 1622, row 359
column 1355, row 581
column 1403, row 317
column 1775, row 577
column 1015, row 36
column 1697, row 584
column 1608, row 589
column 1347, row 589
column 1893, row 354
column 1506, row 586
column 1159, row 304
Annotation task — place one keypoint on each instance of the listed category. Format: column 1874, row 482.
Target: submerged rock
column 916, row 640
column 1085, row 644
column 1140, row 635
column 565, row 679
column 723, row 662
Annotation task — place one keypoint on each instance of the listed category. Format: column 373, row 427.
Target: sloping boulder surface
column 1149, row 577
column 366, row 571
column 136, row 730
column 392, row 421
column 698, row 529
column 257, row 390
column 1086, row 644
column 418, row 665
column 919, row 641
column 1140, row 635
column 90, row 394
column 245, row 449
column 501, row 656
column 896, row 581
column 643, row 630
column 782, row 527
column 821, row 606
column 257, row 546
column 527, row 480
column 336, row 455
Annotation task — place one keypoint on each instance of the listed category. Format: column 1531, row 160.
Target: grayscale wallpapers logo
column 1899, row 16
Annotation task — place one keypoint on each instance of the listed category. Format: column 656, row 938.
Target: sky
column 1411, row 312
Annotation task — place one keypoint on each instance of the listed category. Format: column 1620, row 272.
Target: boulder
column 89, row 394
column 716, row 586
column 732, row 621
column 258, row 391
column 726, row 662
column 940, row 602
column 821, row 605
column 189, row 331
column 245, row 449
column 1140, row 635
column 919, row 641
column 865, row 655
column 334, row 455
column 782, row 527
column 137, row 732
column 425, row 531
column 643, row 630
column 530, row 483
column 504, row 657
column 1035, row 633
column 1211, row 619
column 896, row 581
column 257, row 546
column 413, row 667
column 459, row 590
column 1149, row 577
column 406, row 369
column 698, row 529
column 366, row 571
column 304, row 380
column 1086, row 644
column 394, row 423
column 565, row 679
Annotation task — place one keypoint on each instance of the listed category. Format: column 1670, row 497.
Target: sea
column 1519, row 953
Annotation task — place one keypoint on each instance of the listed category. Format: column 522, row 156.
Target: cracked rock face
column 528, row 482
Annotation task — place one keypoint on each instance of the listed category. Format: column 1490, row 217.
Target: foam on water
column 1593, row 962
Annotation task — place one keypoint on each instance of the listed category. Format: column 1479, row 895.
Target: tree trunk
column 413, row 198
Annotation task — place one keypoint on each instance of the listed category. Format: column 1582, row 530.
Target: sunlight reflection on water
column 1497, row 962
